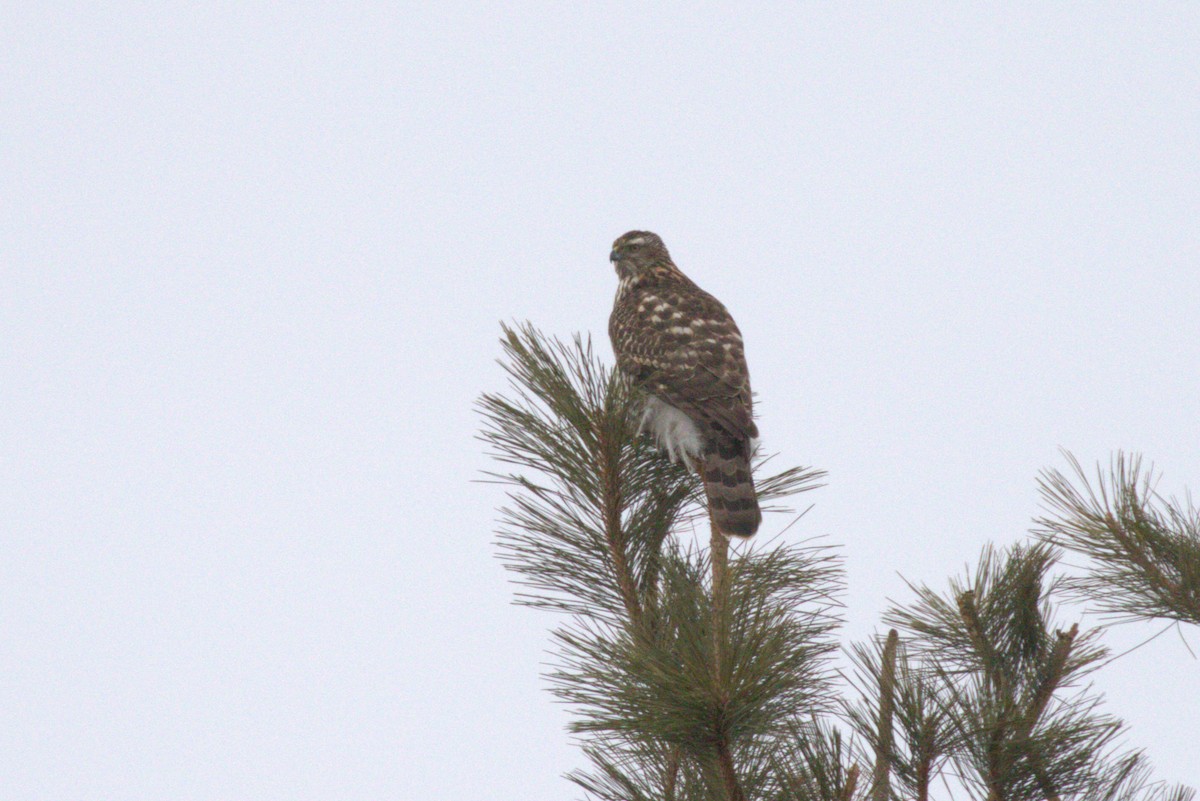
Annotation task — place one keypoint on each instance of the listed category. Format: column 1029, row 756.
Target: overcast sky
column 254, row 259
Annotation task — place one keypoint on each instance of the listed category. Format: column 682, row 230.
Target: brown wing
column 679, row 343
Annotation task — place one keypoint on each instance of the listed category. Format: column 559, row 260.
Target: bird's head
column 635, row 251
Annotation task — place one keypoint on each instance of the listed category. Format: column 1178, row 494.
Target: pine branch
column 672, row 775
column 1000, row 679
column 880, row 780
column 594, row 502
column 812, row 764
column 719, row 559
column 685, row 667
column 733, row 790
column 771, row 663
column 925, row 740
column 1144, row 549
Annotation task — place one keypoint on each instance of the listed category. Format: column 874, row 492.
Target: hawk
column 680, row 346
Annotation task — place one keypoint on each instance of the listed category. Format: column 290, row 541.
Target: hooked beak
column 612, row 256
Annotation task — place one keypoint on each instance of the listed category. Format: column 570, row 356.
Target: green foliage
column 689, row 685
column 999, row 675
column 984, row 679
column 660, row 663
column 900, row 715
column 696, row 675
column 592, row 501
column 1144, row 549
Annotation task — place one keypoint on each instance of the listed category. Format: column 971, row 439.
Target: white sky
column 254, row 258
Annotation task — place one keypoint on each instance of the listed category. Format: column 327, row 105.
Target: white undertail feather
column 676, row 433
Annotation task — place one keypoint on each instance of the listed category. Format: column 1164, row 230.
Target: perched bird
column 679, row 345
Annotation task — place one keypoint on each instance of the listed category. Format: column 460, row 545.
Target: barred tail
column 730, row 489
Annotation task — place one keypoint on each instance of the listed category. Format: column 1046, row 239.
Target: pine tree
column 699, row 674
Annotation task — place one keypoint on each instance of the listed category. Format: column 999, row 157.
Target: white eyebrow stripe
column 637, row 240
